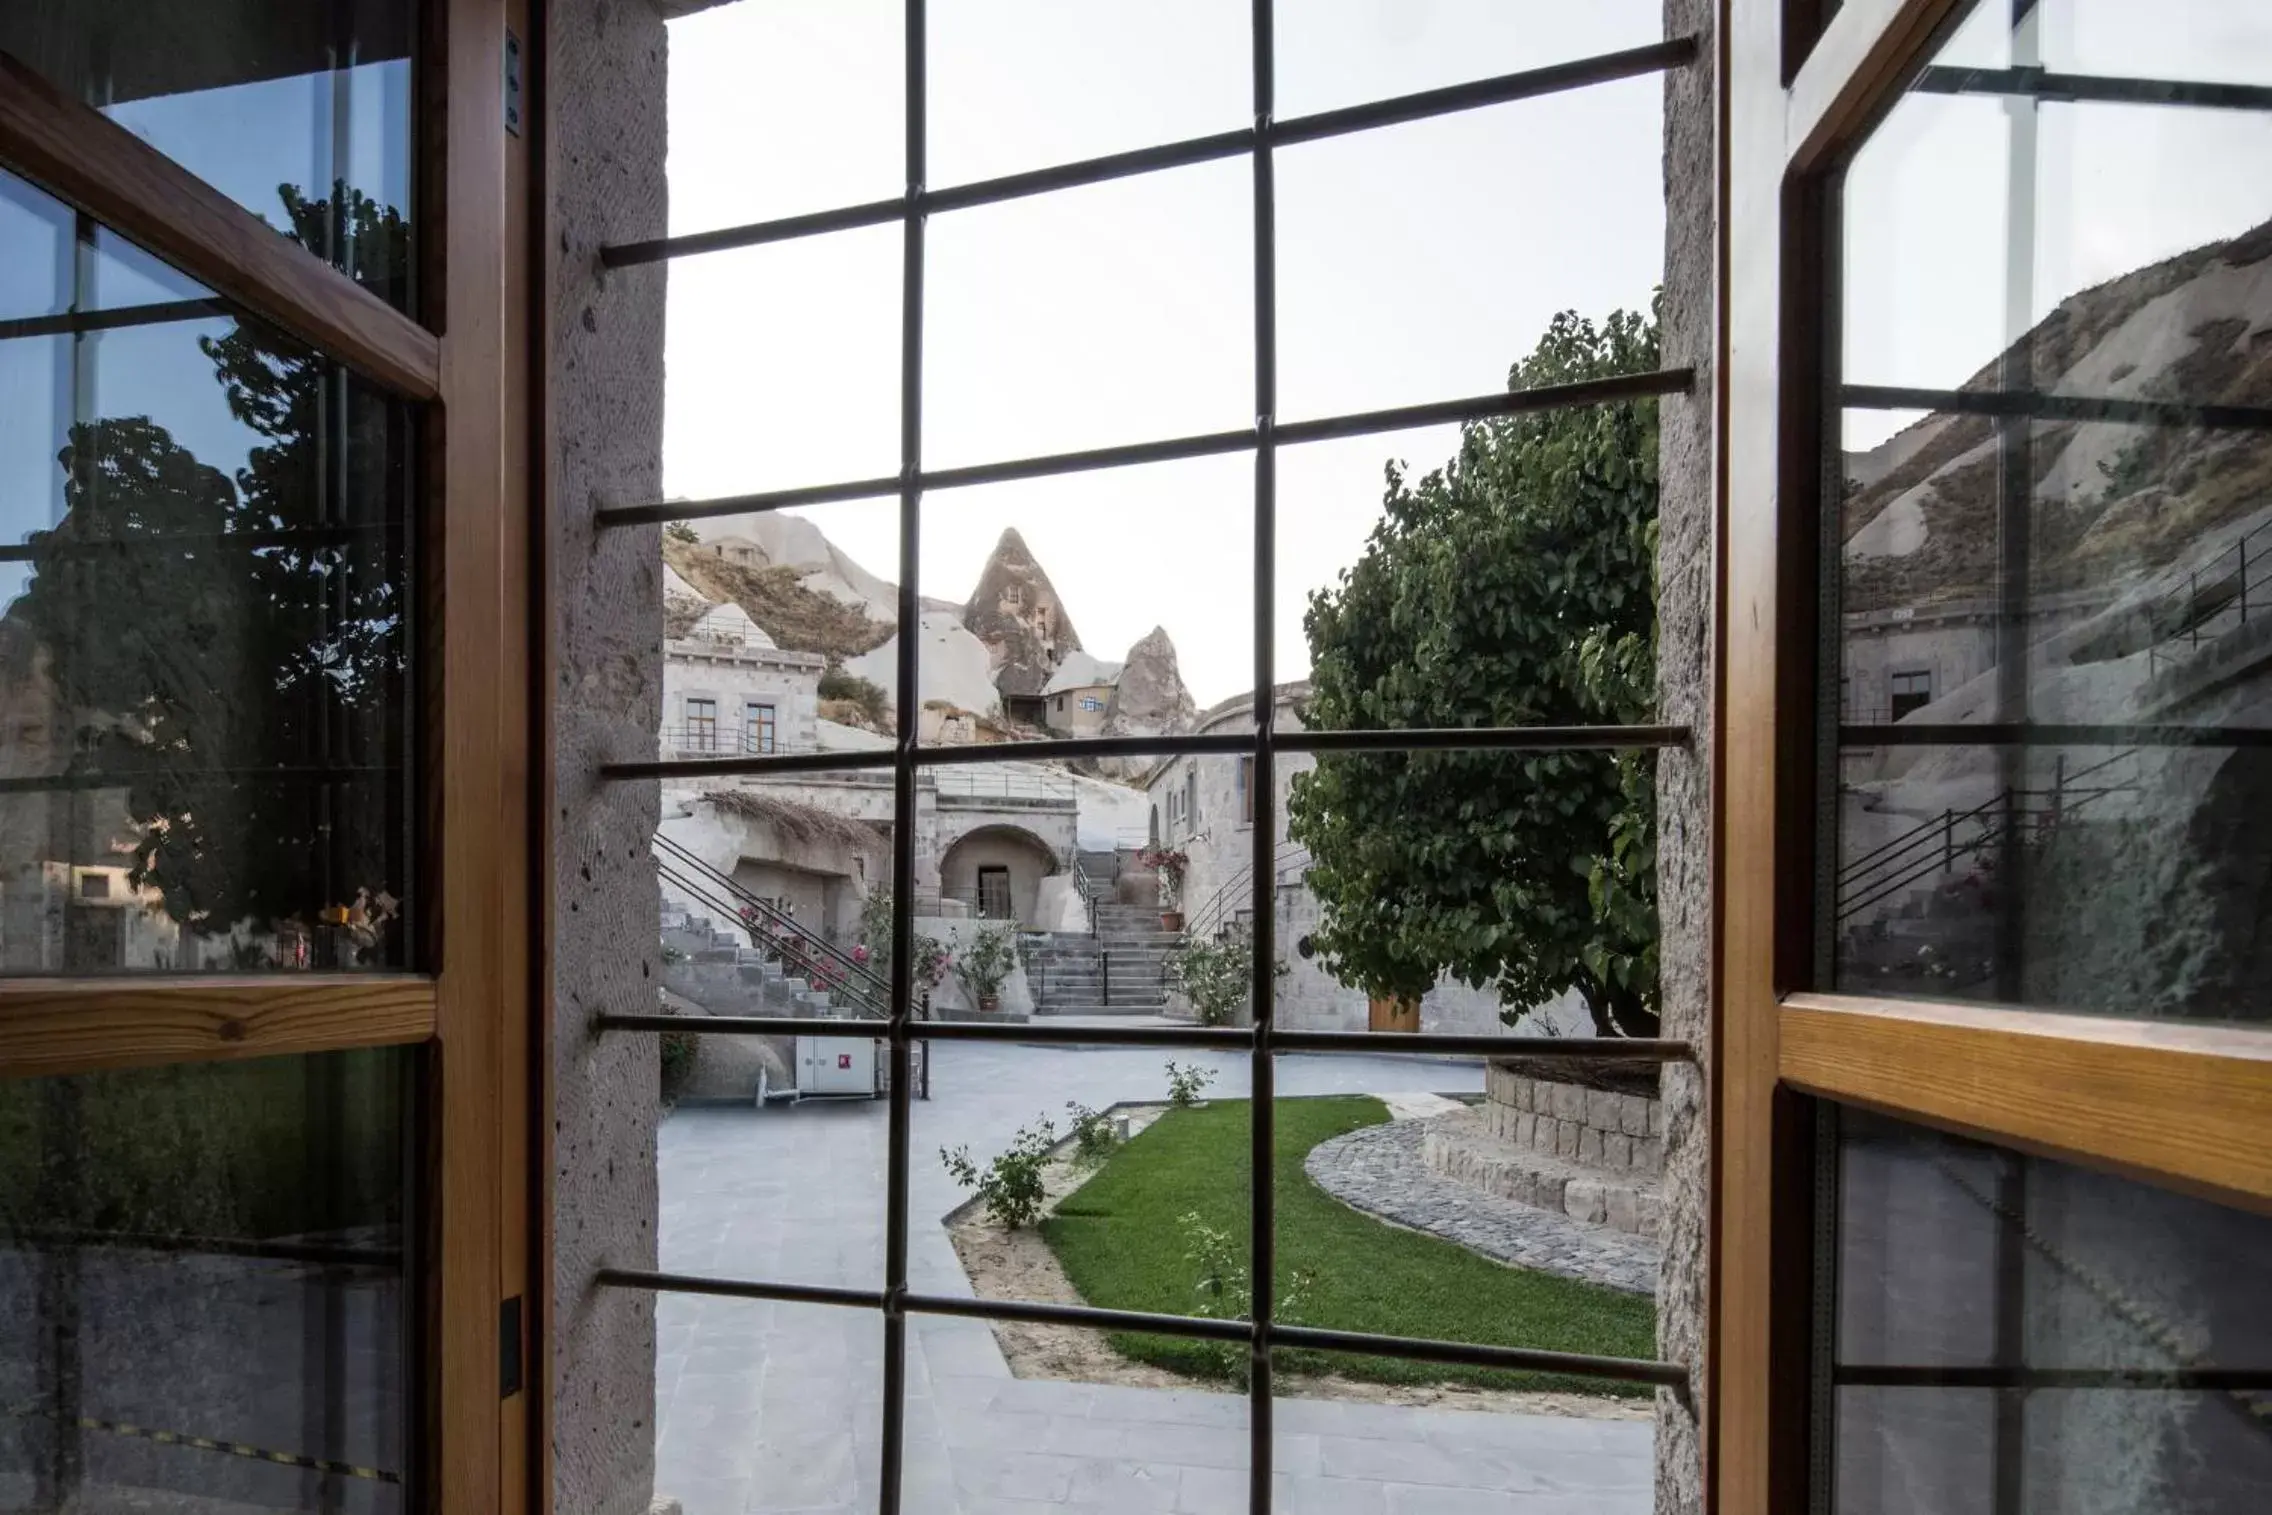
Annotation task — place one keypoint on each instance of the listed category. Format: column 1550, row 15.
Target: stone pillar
column 1686, row 512
column 604, row 81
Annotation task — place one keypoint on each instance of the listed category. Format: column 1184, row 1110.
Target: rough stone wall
column 605, row 73
column 1684, row 691
column 1597, row 1127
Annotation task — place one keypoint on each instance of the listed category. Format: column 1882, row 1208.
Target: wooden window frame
column 2179, row 1106
column 475, row 365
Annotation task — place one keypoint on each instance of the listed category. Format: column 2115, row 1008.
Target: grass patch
column 1121, row 1242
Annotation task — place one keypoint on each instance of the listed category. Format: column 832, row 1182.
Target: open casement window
column 265, row 886
column 1995, row 1152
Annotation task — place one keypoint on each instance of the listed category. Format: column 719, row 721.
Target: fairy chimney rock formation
column 1016, row 612
column 1150, row 698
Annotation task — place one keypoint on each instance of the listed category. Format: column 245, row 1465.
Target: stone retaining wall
column 1594, row 1128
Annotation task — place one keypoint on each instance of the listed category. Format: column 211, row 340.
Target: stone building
column 1203, row 806
column 728, row 689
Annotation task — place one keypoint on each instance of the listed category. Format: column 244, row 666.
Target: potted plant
column 1170, row 864
column 986, row 965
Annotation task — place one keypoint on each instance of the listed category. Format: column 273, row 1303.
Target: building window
column 758, row 732
column 1912, row 691
column 701, row 725
column 1061, row 704
column 1091, row 703
column 1246, row 791
column 94, row 886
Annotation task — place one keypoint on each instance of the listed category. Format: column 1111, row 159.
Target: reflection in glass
column 205, row 642
column 301, row 114
column 2012, row 1324
column 203, row 1287
column 2066, row 527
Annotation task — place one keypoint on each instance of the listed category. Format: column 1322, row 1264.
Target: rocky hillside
column 2110, row 500
column 1005, row 641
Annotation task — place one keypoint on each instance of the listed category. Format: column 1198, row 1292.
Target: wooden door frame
column 477, row 365
column 2162, row 1103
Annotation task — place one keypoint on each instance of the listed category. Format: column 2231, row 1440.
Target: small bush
column 1217, row 977
column 837, row 684
column 1225, row 1288
column 1093, row 1134
column 1010, row 1185
column 1185, row 1085
column 677, row 1050
column 679, row 531
column 988, row 959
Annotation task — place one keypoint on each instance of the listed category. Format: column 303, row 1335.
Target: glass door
column 255, row 988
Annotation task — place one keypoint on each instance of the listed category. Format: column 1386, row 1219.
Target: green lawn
column 1122, row 1243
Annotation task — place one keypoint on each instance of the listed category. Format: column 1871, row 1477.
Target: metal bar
column 1034, row 1312
column 1554, row 78
column 1487, row 738
column 897, row 1159
column 729, row 767
column 2026, row 734
column 2092, row 89
column 2184, row 1380
column 77, row 322
column 1080, row 747
column 741, row 1025
column 1041, row 1034
column 1445, row 1044
column 1665, row 1375
column 1507, row 402
column 1169, row 449
column 919, row 201
column 737, row 1288
column 1989, row 402
column 1192, row 1327
column 1262, row 1183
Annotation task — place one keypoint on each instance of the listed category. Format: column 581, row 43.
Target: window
column 1985, row 458
column 264, row 639
column 1463, row 736
column 757, row 727
column 1911, row 691
column 701, row 725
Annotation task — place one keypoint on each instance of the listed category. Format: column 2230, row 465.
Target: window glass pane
column 1131, row 588
column 1346, row 52
column 2064, row 538
column 1023, row 84
column 783, row 365
column 1398, row 283
column 205, row 640
column 301, row 114
column 2009, row 1322
column 2224, row 41
column 205, row 1301
column 781, row 107
column 1117, row 312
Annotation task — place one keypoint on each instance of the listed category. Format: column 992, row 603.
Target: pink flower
column 860, row 953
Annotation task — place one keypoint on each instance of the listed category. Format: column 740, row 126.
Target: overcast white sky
column 1416, row 264
column 1413, row 264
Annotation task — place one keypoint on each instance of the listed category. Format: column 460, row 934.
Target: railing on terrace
column 774, row 932
column 1222, row 907
column 1938, row 843
column 2214, row 601
column 1006, row 784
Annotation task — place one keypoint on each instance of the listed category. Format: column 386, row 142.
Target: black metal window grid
column 1257, row 749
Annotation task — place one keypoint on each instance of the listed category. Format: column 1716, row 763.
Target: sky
column 1416, row 264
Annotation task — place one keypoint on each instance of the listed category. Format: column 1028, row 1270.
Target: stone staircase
column 1118, row 971
column 717, row 969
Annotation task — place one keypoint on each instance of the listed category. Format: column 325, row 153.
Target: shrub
column 679, row 531
column 1185, row 1085
column 1009, row 1186
column 874, row 949
column 1217, row 977
column 837, row 684
column 677, row 1050
column 987, row 962
column 1226, row 1289
column 1093, row 1135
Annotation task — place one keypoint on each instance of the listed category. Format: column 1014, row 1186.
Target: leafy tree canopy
column 1514, row 586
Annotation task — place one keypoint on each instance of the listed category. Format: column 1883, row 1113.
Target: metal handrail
column 782, row 929
column 1210, row 915
column 1855, row 867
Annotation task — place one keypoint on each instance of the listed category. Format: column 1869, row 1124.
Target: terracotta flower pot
column 989, row 1003
column 1171, row 920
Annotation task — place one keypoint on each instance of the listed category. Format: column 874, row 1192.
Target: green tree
column 1514, row 586
column 220, row 646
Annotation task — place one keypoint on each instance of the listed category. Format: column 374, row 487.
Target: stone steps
column 1462, row 1148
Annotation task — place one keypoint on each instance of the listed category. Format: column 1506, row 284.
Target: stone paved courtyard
column 766, row 1408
